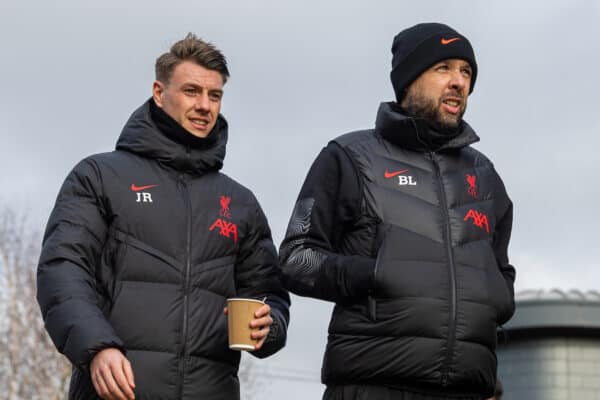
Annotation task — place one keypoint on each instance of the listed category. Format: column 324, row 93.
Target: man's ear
column 158, row 88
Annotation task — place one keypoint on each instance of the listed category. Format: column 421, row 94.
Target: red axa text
column 225, row 228
column 479, row 219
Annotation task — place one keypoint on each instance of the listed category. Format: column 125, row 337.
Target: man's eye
column 189, row 91
column 442, row 68
column 215, row 96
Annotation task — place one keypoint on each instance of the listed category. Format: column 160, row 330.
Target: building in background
column 550, row 349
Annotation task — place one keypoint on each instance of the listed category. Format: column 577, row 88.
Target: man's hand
column 112, row 375
column 263, row 321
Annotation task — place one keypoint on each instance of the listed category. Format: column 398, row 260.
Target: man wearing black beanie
column 405, row 227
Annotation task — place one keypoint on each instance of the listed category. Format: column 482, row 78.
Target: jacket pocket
column 372, row 308
column 372, row 298
column 217, row 276
column 118, row 271
column 381, row 251
column 500, row 295
column 110, row 271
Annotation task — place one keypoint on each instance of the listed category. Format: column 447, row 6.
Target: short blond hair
column 191, row 48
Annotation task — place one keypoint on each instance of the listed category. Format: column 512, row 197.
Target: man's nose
column 202, row 102
column 459, row 80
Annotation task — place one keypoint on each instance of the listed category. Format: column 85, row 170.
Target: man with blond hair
column 146, row 242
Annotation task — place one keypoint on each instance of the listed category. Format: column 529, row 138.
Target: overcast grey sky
column 304, row 72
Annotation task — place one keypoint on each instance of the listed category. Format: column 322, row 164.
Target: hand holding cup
column 249, row 322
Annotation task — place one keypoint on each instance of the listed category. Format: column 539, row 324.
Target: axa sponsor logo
column 479, row 219
column 472, row 182
column 226, row 228
column 142, row 194
column 403, row 178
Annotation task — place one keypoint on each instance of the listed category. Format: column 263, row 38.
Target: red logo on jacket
column 225, row 200
column 479, row 219
column 226, row 228
column 471, row 180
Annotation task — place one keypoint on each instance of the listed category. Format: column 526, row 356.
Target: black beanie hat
column 417, row 48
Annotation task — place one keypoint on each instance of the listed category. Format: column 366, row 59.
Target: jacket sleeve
column 67, row 292
column 257, row 275
column 327, row 206
column 500, row 243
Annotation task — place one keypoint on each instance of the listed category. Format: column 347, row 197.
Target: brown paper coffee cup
column 240, row 313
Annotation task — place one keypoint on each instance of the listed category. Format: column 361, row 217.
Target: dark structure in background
column 550, row 349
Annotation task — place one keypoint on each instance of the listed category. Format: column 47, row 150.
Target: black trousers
column 366, row 392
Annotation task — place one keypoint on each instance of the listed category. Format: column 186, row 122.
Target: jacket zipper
column 451, row 267
column 186, row 282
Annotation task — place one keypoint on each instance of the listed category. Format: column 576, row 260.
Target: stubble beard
column 417, row 105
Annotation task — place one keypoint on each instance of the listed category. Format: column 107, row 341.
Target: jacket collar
column 414, row 133
column 142, row 136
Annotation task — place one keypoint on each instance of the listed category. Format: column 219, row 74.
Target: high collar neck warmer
column 172, row 129
column 415, row 134
column 151, row 134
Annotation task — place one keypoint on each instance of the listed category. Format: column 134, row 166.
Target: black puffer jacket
column 143, row 247
column 409, row 238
